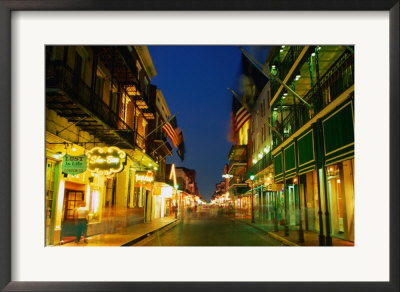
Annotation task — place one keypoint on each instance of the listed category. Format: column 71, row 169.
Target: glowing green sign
column 74, row 164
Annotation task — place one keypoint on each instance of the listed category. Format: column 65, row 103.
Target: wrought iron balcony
column 287, row 63
column 158, row 144
column 331, row 85
column 237, row 154
column 260, row 165
column 237, row 180
column 285, row 66
column 72, row 98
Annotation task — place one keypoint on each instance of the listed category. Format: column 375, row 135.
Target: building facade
column 99, row 109
column 187, row 188
column 260, row 165
column 313, row 153
column 296, row 158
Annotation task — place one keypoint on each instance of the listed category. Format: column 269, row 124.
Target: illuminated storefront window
column 94, row 209
column 340, row 189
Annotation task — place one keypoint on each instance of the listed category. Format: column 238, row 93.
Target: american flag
column 171, row 129
column 241, row 117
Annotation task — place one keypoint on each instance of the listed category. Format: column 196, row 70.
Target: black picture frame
column 7, row 6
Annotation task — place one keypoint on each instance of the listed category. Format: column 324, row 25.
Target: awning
column 140, row 159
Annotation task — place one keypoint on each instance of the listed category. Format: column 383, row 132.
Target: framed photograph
column 308, row 198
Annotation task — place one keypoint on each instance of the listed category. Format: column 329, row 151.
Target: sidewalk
column 310, row 238
column 126, row 236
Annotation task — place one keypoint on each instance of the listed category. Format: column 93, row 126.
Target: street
column 209, row 228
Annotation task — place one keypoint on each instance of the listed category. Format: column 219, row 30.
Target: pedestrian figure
column 81, row 221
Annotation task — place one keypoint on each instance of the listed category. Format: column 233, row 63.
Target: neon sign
column 144, row 176
column 106, row 160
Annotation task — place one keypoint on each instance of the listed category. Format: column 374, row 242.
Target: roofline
column 161, row 95
column 147, row 61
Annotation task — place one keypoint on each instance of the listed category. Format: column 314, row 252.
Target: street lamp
column 228, row 177
column 252, row 198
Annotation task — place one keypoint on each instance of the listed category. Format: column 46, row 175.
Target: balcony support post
column 276, row 212
column 328, row 238
column 311, row 70
column 296, row 116
column 320, row 220
column 285, row 196
column 282, row 132
column 252, row 202
column 318, row 96
column 299, row 181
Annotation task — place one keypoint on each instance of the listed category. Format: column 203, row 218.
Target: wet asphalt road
column 209, row 229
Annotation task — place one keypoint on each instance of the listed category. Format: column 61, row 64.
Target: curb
column 272, row 234
column 281, row 239
column 133, row 241
column 72, row 240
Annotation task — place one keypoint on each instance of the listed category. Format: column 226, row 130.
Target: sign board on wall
column 74, row 164
column 144, row 177
column 106, row 160
column 274, row 187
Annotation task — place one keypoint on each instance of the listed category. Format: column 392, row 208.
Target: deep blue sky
column 193, row 80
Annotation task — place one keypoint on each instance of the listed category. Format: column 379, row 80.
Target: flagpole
column 152, row 131
column 163, row 143
column 269, row 75
column 257, row 113
column 165, row 156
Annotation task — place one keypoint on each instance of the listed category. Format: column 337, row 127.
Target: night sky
column 193, row 80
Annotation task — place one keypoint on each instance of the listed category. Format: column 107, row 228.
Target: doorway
column 335, row 199
column 72, row 200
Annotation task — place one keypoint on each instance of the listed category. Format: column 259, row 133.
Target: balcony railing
column 154, row 147
column 285, row 66
column 260, row 165
column 287, row 63
column 334, row 82
column 236, row 180
column 237, row 154
column 62, row 78
column 237, row 161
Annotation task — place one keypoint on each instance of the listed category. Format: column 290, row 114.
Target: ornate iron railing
column 285, row 66
column 334, row 82
column 236, row 180
column 62, row 77
column 259, row 166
